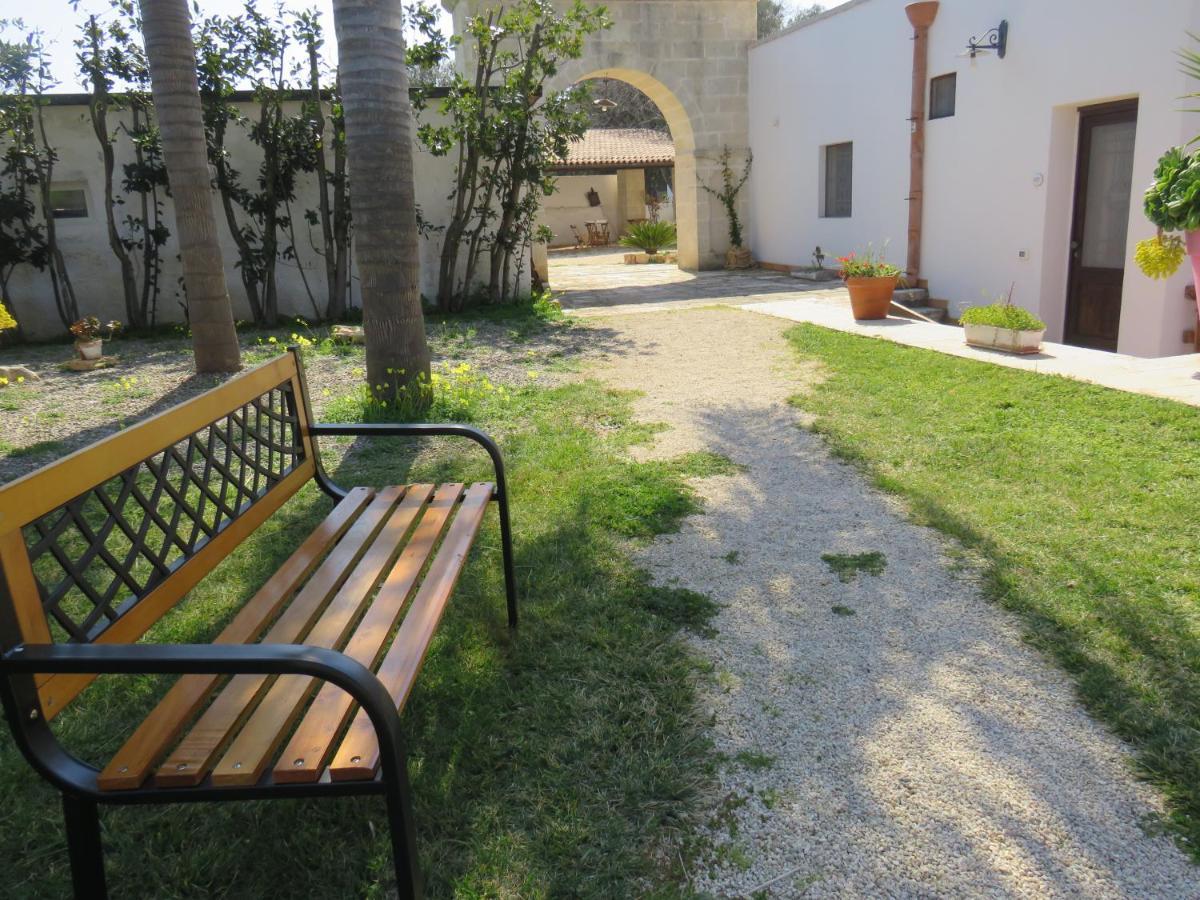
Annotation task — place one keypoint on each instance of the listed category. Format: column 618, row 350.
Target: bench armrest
column 220, row 659
column 500, row 494
column 389, row 429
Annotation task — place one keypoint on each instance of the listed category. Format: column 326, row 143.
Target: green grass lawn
column 1084, row 503
column 549, row 763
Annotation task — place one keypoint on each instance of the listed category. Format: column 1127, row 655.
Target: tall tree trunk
column 168, row 35
column 370, row 36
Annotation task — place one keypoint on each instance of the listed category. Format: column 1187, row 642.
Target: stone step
column 929, row 312
column 815, row 275
column 911, row 297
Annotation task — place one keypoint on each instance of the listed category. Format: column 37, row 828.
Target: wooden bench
column 300, row 694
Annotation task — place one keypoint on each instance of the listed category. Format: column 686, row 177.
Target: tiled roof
column 620, row 147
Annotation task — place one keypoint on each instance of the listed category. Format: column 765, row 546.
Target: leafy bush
column 1002, row 315
column 870, row 264
column 650, row 236
column 7, row 322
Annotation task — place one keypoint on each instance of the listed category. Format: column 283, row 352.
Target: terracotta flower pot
column 870, row 298
column 1193, row 249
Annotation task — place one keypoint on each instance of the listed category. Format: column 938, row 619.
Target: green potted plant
column 1172, row 203
column 1003, row 326
column 737, row 256
column 871, row 281
column 89, row 336
column 649, row 237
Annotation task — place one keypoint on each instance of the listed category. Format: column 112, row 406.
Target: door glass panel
column 1109, row 182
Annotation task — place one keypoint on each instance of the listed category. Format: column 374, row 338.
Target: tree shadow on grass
column 542, row 761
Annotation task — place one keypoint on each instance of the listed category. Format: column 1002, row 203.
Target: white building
column 82, row 233
column 1034, row 163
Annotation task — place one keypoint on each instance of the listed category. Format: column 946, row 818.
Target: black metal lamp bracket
column 993, row 39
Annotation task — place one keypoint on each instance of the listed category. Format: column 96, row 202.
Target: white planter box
column 1007, row 339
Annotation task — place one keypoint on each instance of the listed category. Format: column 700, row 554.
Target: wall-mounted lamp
column 993, row 39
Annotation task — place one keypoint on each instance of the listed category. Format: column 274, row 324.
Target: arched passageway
column 690, row 58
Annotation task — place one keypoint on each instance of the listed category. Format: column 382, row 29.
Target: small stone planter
column 90, row 349
column 641, row 259
column 1010, row 340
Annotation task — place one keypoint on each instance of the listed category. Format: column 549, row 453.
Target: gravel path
column 886, row 736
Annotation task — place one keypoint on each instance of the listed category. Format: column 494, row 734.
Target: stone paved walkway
column 595, row 281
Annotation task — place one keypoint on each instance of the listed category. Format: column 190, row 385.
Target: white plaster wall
column 568, row 206
column 96, row 275
column 848, row 76
column 845, row 78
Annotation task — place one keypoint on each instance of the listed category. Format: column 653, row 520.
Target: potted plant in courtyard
column 1003, row 326
column 89, row 336
column 650, row 238
column 737, row 256
column 871, row 281
column 1172, row 203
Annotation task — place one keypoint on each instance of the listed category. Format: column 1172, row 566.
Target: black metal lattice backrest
column 97, row 555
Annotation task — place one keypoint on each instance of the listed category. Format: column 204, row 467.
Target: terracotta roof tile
column 620, row 147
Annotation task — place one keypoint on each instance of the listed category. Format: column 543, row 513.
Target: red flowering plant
column 869, row 264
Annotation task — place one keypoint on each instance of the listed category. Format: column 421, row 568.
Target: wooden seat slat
column 56, row 691
column 304, row 758
column 358, row 756
column 190, row 761
column 250, row 752
column 132, row 764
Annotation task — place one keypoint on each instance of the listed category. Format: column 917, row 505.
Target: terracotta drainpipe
column 921, row 15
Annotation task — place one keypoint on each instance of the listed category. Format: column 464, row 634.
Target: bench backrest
column 102, row 543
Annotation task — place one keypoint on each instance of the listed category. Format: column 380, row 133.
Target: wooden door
column 1103, row 185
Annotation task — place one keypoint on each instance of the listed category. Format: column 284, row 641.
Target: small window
column 941, row 96
column 839, row 161
column 68, row 203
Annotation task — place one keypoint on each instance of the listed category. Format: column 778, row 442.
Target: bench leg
column 510, row 572
column 401, row 825
column 83, row 846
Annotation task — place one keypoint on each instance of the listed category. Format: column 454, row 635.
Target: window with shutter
column 839, row 163
column 941, row 96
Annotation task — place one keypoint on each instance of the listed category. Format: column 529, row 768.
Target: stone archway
column 691, row 58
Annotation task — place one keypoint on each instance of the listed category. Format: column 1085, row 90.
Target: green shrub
column 650, row 236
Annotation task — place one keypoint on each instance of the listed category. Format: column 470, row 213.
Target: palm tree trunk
column 168, row 35
column 379, row 147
